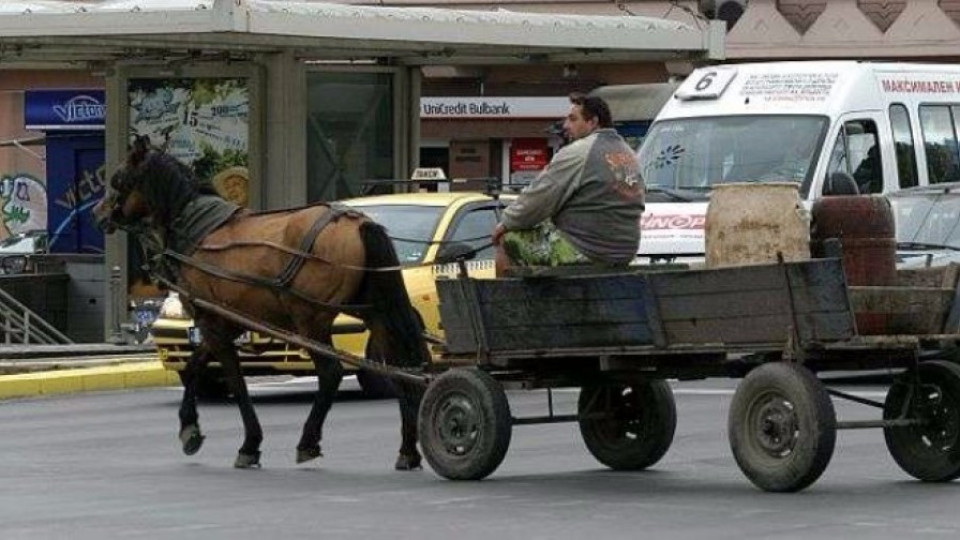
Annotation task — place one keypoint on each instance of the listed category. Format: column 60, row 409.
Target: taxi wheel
column 375, row 386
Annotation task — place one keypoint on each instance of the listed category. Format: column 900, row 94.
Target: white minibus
column 885, row 126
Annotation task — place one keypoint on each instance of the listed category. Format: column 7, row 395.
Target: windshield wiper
column 925, row 245
column 682, row 195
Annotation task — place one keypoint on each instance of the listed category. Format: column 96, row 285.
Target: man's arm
column 548, row 192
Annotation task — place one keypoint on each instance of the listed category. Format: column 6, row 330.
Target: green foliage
column 212, row 162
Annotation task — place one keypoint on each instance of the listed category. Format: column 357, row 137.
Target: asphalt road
column 108, row 465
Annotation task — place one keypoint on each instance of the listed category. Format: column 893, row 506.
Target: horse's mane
column 168, row 184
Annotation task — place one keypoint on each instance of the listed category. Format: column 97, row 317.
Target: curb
column 70, row 381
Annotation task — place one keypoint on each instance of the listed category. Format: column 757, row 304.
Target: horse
column 293, row 269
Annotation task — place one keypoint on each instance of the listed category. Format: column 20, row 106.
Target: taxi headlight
column 172, row 308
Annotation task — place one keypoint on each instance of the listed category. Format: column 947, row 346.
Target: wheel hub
column 941, row 429
column 775, row 426
column 458, row 425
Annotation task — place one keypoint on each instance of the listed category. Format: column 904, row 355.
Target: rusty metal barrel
column 866, row 230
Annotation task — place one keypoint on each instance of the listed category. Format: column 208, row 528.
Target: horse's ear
column 138, row 151
column 167, row 139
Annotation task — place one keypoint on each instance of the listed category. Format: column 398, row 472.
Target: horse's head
column 123, row 204
column 151, row 185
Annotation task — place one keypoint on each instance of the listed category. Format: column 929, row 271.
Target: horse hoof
column 247, row 461
column 306, row 454
column 191, row 439
column 408, row 463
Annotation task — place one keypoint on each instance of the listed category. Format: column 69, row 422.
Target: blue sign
column 48, row 110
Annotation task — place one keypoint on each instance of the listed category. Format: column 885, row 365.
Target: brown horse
column 293, row 269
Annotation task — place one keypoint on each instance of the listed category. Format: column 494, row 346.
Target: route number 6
column 708, row 84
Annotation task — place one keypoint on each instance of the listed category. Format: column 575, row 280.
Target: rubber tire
column 644, row 423
column 375, row 386
column 474, row 396
column 917, row 458
column 212, row 385
column 814, row 422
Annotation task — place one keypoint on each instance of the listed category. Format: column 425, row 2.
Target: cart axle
column 865, row 424
column 552, row 419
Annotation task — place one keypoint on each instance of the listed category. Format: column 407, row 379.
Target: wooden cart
column 618, row 337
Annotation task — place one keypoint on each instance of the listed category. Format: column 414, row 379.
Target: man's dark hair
column 593, row 107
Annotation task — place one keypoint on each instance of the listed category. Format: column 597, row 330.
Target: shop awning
column 140, row 30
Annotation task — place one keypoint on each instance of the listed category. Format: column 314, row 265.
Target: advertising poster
column 527, row 158
column 204, row 122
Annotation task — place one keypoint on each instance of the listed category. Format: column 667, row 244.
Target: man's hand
column 498, row 233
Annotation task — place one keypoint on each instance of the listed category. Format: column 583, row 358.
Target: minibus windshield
column 695, row 154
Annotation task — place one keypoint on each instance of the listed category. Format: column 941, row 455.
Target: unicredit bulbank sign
column 494, row 107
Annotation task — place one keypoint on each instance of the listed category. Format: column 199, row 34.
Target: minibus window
column 939, row 144
column 903, row 146
column 857, row 153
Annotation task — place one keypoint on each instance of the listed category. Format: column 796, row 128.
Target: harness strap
column 296, row 263
column 356, row 310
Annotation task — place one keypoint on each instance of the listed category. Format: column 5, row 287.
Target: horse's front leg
column 409, row 396
column 190, row 436
column 249, row 454
column 329, row 376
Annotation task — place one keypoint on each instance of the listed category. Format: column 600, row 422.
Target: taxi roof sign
column 428, row 173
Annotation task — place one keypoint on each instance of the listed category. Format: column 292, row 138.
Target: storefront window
column 349, row 132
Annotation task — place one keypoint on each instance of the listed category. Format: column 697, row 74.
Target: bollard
column 116, row 308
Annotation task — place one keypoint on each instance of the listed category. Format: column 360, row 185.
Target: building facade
column 757, row 30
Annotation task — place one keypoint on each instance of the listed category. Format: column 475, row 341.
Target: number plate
column 195, row 337
column 193, row 334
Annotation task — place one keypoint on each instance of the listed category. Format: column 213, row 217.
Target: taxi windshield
column 695, row 154
column 411, row 227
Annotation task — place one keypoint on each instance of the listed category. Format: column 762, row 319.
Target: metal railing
column 18, row 324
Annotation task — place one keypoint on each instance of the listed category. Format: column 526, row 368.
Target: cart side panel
column 754, row 304
column 904, row 310
column 545, row 313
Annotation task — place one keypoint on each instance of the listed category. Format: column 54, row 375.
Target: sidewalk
column 36, row 370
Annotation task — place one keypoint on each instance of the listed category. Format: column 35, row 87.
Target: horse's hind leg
column 190, row 436
column 409, row 396
column 329, row 377
column 249, row 453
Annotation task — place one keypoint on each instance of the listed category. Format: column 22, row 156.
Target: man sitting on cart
column 584, row 207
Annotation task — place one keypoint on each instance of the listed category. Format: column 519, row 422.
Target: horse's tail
column 394, row 320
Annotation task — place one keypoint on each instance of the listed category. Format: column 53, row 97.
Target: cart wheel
column 929, row 451
column 782, row 427
column 464, row 424
column 628, row 427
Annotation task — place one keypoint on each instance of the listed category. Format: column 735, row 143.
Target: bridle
column 121, row 186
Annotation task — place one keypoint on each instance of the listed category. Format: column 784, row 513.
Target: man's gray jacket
column 593, row 192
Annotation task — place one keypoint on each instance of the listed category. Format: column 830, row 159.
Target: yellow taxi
column 427, row 229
